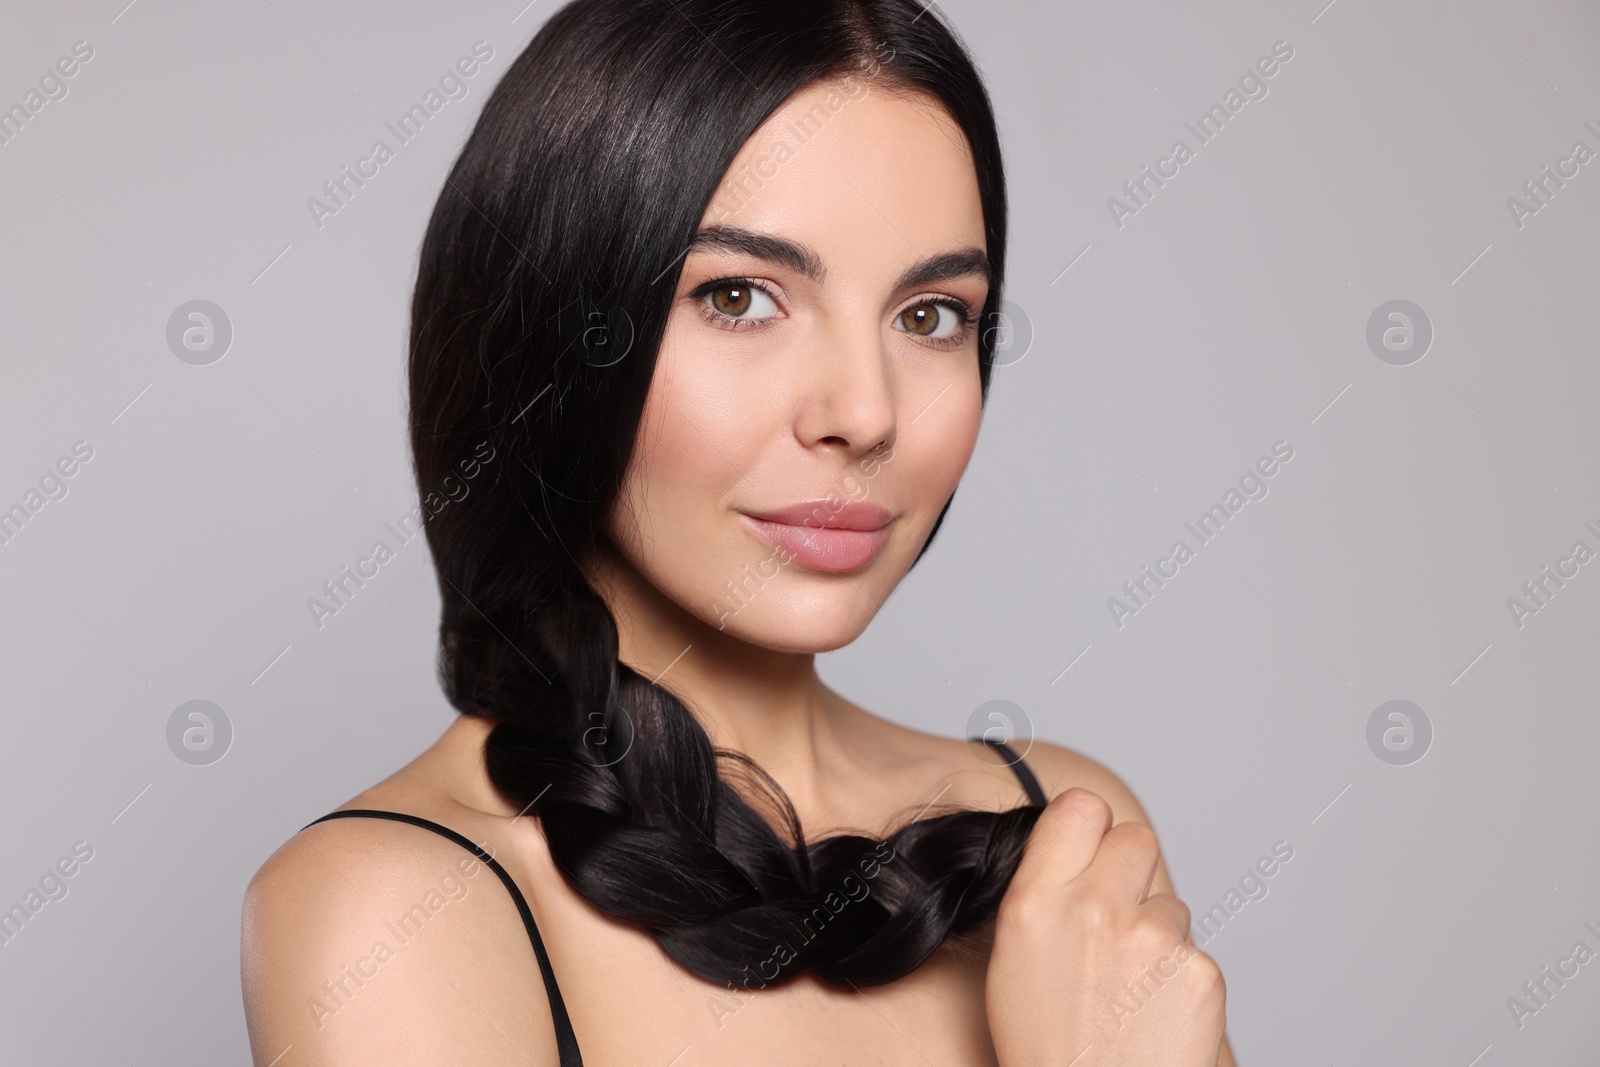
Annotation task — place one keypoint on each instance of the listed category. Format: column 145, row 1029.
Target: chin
column 813, row 624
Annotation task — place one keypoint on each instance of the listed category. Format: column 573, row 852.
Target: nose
column 849, row 400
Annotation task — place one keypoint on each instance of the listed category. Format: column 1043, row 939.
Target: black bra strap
column 566, row 1040
column 1030, row 784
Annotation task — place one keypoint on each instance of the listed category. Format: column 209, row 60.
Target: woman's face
column 816, row 396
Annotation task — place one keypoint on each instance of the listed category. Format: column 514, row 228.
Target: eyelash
column 710, row 314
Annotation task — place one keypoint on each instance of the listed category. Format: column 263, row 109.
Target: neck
column 767, row 704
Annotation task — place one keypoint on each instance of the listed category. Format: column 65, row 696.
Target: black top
column 566, row 1040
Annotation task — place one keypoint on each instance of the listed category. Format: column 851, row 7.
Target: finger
column 1064, row 840
column 1126, row 861
column 1173, row 912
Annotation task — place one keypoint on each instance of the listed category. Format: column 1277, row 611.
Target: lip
column 861, row 515
column 825, row 535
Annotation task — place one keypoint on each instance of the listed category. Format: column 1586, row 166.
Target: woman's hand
column 1089, row 970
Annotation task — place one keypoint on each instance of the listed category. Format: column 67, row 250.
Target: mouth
column 825, row 535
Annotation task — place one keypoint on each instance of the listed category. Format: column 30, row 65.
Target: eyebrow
column 798, row 257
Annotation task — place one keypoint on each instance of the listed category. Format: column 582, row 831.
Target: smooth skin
column 790, row 369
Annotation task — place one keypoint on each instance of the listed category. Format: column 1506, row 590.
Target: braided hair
column 545, row 279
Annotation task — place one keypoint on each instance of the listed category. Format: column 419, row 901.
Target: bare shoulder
column 1060, row 768
column 368, row 940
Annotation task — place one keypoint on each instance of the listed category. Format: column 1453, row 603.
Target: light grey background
column 1229, row 313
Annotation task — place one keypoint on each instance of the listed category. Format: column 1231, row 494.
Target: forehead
column 861, row 173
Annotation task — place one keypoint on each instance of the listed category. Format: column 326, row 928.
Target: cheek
column 693, row 427
column 937, row 444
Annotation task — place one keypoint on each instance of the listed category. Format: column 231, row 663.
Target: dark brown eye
column 732, row 300
column 739, row 301
column 930, row 320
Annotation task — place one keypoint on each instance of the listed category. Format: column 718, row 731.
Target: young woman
column 699, row 315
